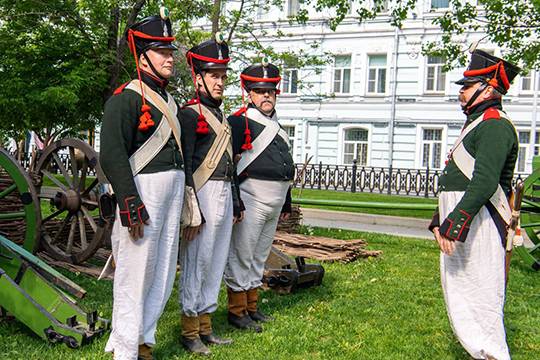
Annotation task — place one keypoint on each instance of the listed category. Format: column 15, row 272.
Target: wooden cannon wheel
column 530, row 220
column 71, row 230
column 20, row 217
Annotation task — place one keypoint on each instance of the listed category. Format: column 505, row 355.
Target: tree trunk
column 117, row 45
column 215, row 16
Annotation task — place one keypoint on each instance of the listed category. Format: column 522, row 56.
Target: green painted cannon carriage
column 530, row 218
column 35, row 214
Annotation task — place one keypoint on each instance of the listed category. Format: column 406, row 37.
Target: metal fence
column 382, row 180
column 352, row 178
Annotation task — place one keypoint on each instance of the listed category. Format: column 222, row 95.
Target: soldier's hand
column 446, row 245
column 137, row 231
column 284, row 216
column 238, row 218
column 190, row 232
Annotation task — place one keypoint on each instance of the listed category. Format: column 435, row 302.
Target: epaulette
column 121, row 88
column 190, row 102
column 492, row 113
column 240, row 111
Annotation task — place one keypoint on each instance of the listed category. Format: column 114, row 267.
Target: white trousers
column 252, row 238
column 473, row 283
column 203, row 258
column 145, row 268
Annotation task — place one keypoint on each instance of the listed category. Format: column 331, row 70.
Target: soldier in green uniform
column 470, row 224
column 209, row 156
column 265, row 171
column 141, row 157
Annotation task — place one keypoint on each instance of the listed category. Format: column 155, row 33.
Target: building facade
column 379, row 100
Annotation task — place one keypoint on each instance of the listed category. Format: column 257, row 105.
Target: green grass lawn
column 366, row 197
column 385, row 308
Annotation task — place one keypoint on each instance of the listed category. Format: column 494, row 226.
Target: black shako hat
column 152, row 32
column 260, row 76
column 490, row 70
column 209, row 55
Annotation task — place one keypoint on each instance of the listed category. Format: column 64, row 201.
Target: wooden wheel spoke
column 90, row 202
column 58, row 234
column 90, row 219
column 53, row 215
column 90, row 187
column 54, row 180
column 8, row 191
column 82, row 231
column 62, row 169
column 74, row 169
column 71, row 237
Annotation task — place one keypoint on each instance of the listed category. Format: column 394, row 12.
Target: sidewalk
column 391, row 225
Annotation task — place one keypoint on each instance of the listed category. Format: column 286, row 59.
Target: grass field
column 366, row 197
column 385, row 308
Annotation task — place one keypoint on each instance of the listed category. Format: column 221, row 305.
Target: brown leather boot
column 145, row 352
column 206, row 333
column 190, row 336
column 254, row 313
column 238, row 316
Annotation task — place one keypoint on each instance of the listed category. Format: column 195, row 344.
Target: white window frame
column 287, row 91
column 342, row 128
column 527, row 146
column 530, row 76
column 420, row 144
column 296, row 140
column 377, row 68
column 342, row 71
column 436, row 78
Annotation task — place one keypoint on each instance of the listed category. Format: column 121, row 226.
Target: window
column 290, row 130
column 342, row 74
column 440, row 4
column 355, row 146
column 436, row 78
column 290, row 81
column 293, row 7
column 431, row 148
column 526, row 83
column 377, row 74
column 524, row 138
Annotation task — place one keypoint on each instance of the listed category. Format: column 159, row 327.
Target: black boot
column 195, row 346
column 260, row 317
column 215, row 340
column 243, row 322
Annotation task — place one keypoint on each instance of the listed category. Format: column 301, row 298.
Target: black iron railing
column 382, row 180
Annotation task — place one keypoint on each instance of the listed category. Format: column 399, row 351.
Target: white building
column 351, row 108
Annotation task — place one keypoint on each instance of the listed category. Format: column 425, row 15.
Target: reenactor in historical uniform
column 265, row 172
column 141, row 157
column 209, row 156
column 471, row 223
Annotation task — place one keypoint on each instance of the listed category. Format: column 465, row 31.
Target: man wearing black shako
column 471, row 223
column 209, row 156
column 142, row 159
column 265, row 172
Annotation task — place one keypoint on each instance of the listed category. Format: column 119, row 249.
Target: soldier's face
column 263, row 99
column 215, row 82
column 162, row 59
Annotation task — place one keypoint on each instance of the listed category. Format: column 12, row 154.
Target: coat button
column 455, row 231
column 458, row 226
